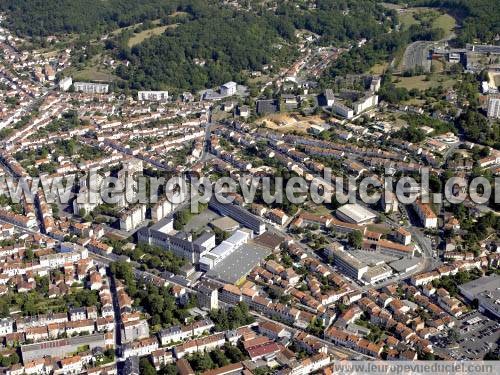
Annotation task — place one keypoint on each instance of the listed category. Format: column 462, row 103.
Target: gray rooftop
column 239, row 263
column 404, row 263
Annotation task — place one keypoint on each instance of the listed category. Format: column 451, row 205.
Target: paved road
column 417, row 55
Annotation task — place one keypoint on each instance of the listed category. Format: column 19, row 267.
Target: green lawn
column 420, row 82
column 93, row 74
column 444, row 21
column 143, row 35
column 379, row 69
column 379, row 228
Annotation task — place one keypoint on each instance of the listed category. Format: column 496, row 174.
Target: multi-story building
column 132, row 217
column 58, row 260
column 65, row 83
column 239, row 214
column 277, row 216
column 140, row 348
column 329, row 97
column 153, row 96
column 342, row 110
column 426, row 215
column 134, row 330
column 228, row 89
column 402, row 236
column 161, row 209
column 91, row 88
column 226, row 248
column 159, row 235
column 364, row 103
column 6, row 326
column 389, row 202
column 207, row 296
column 350, row 265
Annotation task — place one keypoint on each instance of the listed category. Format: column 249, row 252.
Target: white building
column 402, row 236
column 91, row 88
column 342, row 110
column 365, row 103
column 65, row 83
column 377, row 273
column 350, row 265
column 161, row 209
column 207, row 297
column 426, row 215
column 389, row 202
column 152, row 96
column 228, row 89
column 6, row 326
column 132, row 217
column 140, row 348
column 356, row 214
column 59, row 259
column 227, row 247
column 329, row 97
column 375, row 84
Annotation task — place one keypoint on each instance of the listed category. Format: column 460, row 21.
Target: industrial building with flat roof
column 225, row 248
column 239, row 263
column 486, row 290
column 355, row 214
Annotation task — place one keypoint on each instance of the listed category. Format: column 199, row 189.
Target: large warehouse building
column 356, row 214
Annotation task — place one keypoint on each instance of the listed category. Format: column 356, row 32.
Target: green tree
column 355, row 239
column 146, row 368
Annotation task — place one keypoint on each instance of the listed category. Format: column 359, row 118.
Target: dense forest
column 210, row 43
column 230, row 41
column 205, row 51
column 37, row 18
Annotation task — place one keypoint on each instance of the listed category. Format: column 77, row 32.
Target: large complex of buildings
column 161, row 234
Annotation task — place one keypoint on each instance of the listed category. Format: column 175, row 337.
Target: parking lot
column 475, row 340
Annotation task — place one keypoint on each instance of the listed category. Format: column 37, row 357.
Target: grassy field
column 143, row 35
column 438, row 66
column 379, row 69
column 391, row 6
column 406, row 19
column 93, row 74
column 415, row 102
column 379, row 228
column 319, row 209
column 443, row 21
column 420, row 82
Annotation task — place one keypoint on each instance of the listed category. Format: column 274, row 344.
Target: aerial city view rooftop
column 249, row 187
